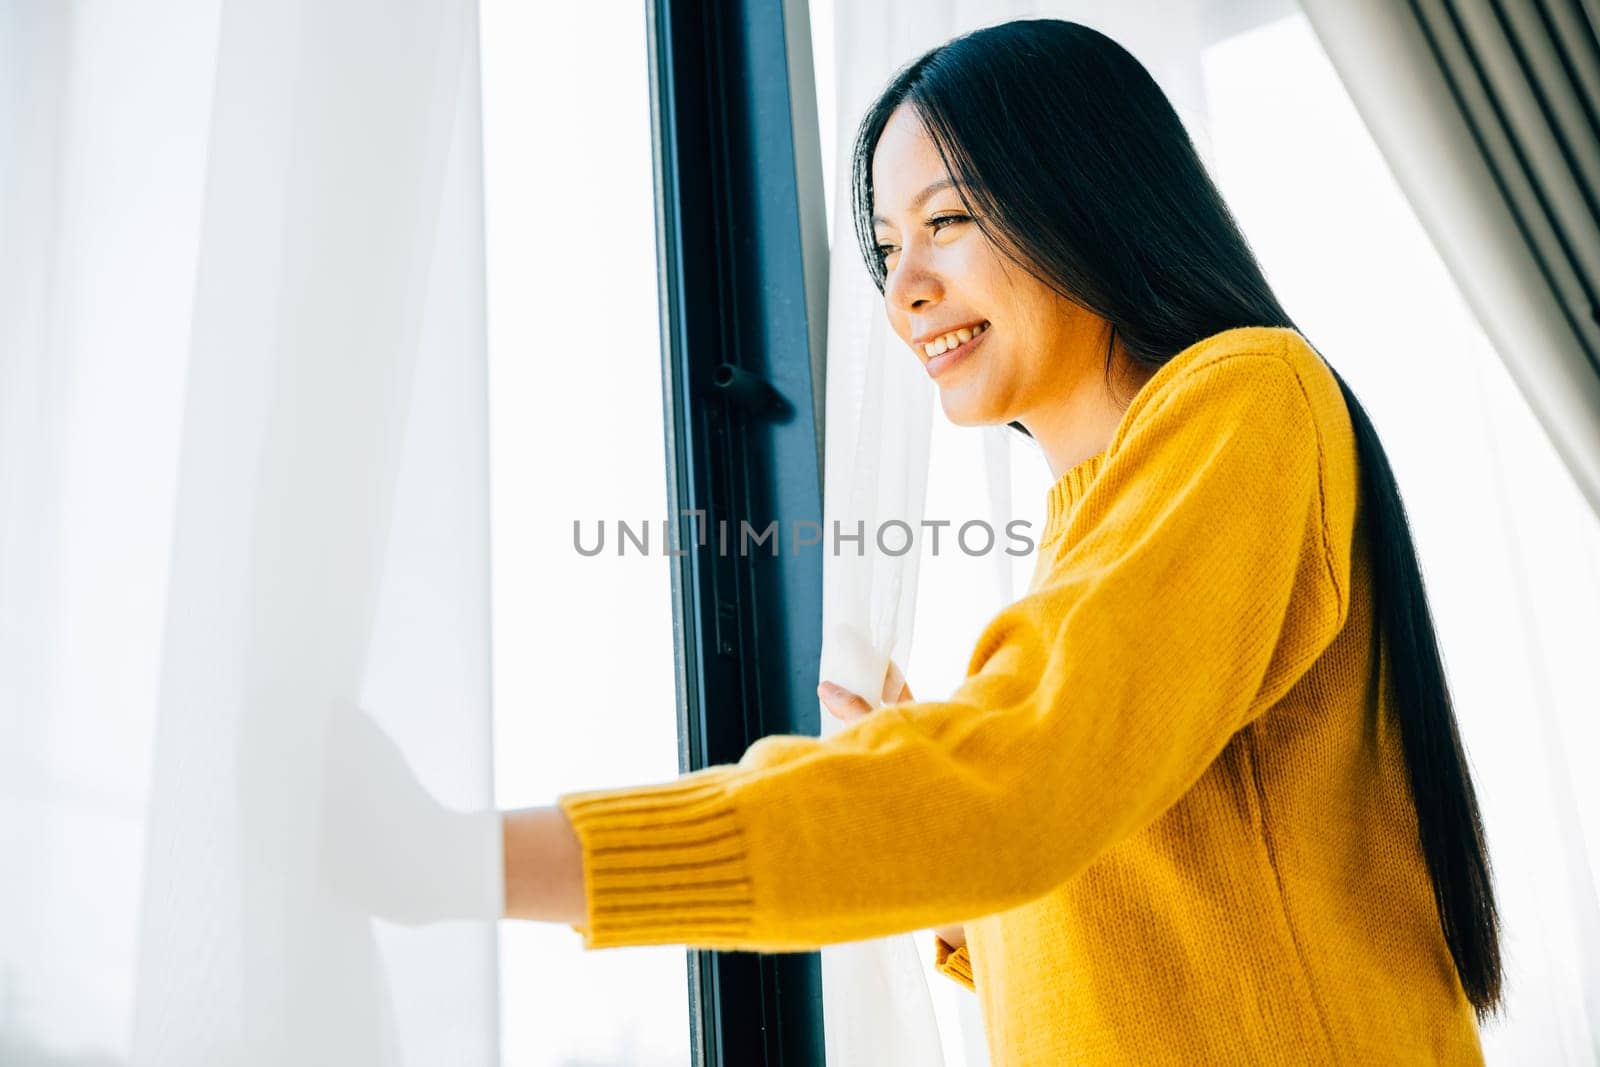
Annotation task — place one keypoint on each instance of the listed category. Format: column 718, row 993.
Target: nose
column 911, row 286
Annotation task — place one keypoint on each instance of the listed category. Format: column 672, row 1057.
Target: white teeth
column 939, row 346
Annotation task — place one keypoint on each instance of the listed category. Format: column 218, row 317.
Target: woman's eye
column 938, row 223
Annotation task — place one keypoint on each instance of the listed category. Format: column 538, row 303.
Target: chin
column 970, row 411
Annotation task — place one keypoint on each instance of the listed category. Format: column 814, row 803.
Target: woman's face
column 944, row 276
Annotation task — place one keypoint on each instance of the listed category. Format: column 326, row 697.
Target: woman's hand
column 387, row 847
column 843, row 704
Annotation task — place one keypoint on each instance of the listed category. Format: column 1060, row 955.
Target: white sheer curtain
column 879, row 417
column 242, row 498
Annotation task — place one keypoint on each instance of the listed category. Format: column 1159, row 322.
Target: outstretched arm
column 543, row 866
column 847, row 706
column 1090, row 705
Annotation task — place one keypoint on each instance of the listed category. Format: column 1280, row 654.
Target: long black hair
column 1075, row 165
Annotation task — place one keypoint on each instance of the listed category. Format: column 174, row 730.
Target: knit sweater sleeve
column 955, row 962
column 1193, row 584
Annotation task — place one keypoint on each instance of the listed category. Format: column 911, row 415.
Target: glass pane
column 584, row 691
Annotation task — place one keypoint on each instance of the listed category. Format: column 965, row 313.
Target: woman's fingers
column 842, row 703
column 895, row 689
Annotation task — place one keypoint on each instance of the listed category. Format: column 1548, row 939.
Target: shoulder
column 1272, row 370
column 1266, row 383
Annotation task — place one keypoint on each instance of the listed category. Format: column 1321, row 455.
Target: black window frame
column 742, row 252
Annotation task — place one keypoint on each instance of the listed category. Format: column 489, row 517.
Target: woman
column 1201, row 796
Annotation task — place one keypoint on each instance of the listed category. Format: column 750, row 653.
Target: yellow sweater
column 1167, row 801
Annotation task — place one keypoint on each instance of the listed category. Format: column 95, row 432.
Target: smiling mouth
column 936, row 363
column 953, row 340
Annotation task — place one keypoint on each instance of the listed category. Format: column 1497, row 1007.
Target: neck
column 1082, row 425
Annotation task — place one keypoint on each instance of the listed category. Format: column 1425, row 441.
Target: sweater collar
column 1066, row 493
column 1071, row 486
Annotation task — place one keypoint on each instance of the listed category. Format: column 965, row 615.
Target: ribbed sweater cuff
column 662, row 864
column 955, row 962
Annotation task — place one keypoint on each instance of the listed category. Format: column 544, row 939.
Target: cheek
column 983, row 275
column 1039, row 315
column 899, row 324
column 996, row 288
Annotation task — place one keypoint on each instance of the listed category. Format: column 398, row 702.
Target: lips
column 938, row 364
column 934, row 344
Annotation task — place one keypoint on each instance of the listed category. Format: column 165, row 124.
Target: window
column 583, row 645
column 610, row 402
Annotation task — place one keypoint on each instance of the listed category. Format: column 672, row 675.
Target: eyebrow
column 917, row 201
